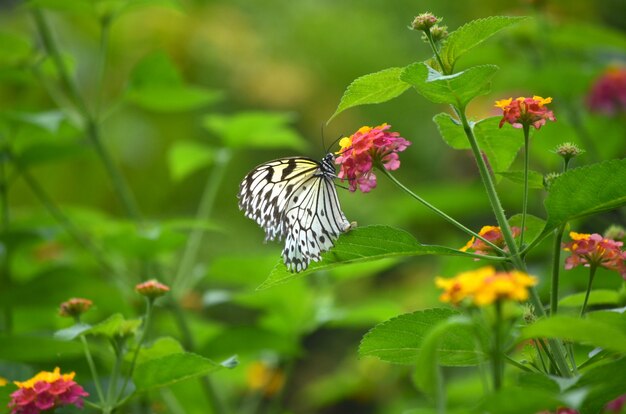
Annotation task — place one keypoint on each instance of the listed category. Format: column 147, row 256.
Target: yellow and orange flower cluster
column 595, row 250
column 484, row 286
column 491, row 233
column 524, row 111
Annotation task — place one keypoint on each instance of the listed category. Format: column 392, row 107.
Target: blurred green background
column 192, row 90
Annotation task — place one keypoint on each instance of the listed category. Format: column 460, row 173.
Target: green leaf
column 186, row 157
column 156, row 85
column 605, row 383
column 535, row 179
column 371, row 89
column 584, row 191
column 160, row 348
column 518, row 400
column 471, row 35
column 15, row 49
column 256, row 130
column 499, row 145
column 427, row 375
column 170, row 369
column 534, row 225
column 401, row 340
column 578, row 330
column 37, row 349
column 72, row 332
column 115, row 326
column 360, row 245
column 457, row 89
column 596, row 297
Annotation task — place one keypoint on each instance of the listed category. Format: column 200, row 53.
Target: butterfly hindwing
column 295, row 199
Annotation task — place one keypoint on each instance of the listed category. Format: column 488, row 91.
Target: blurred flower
column 561, row 410
column 615, row 232
column 152, row 289
column 362, row 150
column 616, row 405
column 608, row 93
column 46, row 391
column 593, row 249
column 485, row 286
column 549, row 178
column 439, row 33
column 525, row 111
column 491, row 233
column 265, row 378
column 424, row 21
column 568, row 150
column 3, row 381
column 75, row 307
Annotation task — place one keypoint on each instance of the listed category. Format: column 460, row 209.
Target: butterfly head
column 328, row 164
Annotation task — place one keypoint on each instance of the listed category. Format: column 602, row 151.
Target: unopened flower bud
column 439, row 33
column 615, row 232
column 568, row 150
column 152, row 289
column 549, row 178
column 75, row 307
column 424, row 21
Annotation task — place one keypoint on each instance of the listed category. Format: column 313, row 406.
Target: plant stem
column 142, row 337
column 184, row 276
column 115, row 374
column 497, row 351
column 439, row 212
column 556, row 268
column 105, row 25
column 433, row 46
column 5, row 273
column 592, row 273
column 526, row 129
column 92, row 367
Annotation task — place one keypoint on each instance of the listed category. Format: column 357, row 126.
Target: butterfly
column 295, row 199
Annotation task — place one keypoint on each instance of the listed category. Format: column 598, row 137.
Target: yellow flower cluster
column 45, row 376
column 484, row 286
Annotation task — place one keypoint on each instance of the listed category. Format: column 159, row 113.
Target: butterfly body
column 295, row 199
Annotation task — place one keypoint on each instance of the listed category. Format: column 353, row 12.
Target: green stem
column 433, row 46
column 5, row 273
column 184, row 276
column 497, row 351
column 556, row 268
column 142, row 337
column 526, row 129
column 592, row 273
column 105, row 25
column 439, row 212
column 92, row 367
column 115, row 374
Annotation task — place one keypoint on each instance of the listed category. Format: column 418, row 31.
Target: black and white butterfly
column 295, row 199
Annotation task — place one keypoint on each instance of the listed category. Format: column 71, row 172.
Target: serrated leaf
column 578, row 330
column 500, row 146
column 186, row 157
column 115, row 326
column 372, row 89
column 472, row 34
column 596, row 297
column 256, row 130
column 72, row 332
column 584, row 191
column 160, row 348
column 170, row 369
column 457, row 89
column 605, row 383
column 360, row 245
column 401, row 339
column 535, row 179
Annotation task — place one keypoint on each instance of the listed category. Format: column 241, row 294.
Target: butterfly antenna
column 333, row 144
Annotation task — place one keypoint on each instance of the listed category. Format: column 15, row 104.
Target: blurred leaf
column 579, row 35
column 73, row 6
column 605, row 383
column 115, row 326
column 161, row 347
column 72, row 332
column 15, row 49
column 596, row 297
column 186, row 157
column 426, row 373
column 148, row 241
column 499, row 145
column 516, row 401
column 366, row 314
column 167, row 370
column 249, row 340
column 471, row 35
column 37, row 349
column 50, row 121
column 401, row 340
column 615, row 318
column 246, row 130
column 360, row 245
column 156, row 85
column 534, row 225
column 457, row 89
column 584, row 191
column 535, row 179
column 578, row 330
column 371, row 89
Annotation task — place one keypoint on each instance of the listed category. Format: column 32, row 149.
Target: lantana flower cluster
column 525, row 111
column 46, row 391
column 484, row 286
column 362, row 150
column 491, row 233
column 152, row 289
column 608, row 93
column 594, row 250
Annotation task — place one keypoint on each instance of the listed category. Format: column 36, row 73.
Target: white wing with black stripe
column 295, row 199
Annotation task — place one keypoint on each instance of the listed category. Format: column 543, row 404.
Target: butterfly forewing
column 295, row 198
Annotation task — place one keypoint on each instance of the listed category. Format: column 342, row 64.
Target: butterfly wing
column 293, row 198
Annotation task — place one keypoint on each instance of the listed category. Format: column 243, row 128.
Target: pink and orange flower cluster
column 491, row 233
column 608, row 93
column 484, row 286
column 365, row 148
column 46, row 391
column 525, row 111
column 595, row 250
